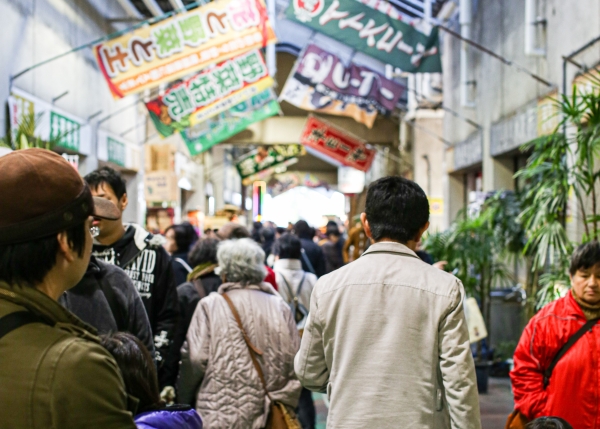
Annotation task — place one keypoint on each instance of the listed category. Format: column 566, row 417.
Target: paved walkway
column 496, row 405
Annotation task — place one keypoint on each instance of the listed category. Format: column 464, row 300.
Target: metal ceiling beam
column 130, row 9
column 177, row 4
column 153, row 7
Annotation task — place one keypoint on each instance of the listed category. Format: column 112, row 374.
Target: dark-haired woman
column 141, row 382
column 180, row 239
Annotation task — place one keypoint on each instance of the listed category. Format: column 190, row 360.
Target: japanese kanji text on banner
column 183, row 44
column 324, row 139
column 371, row 32
column 209, row 93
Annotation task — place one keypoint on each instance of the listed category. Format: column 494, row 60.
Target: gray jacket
column 387, row 340
column 217, row 375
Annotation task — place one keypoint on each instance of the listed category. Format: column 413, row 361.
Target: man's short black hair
column 110, row 177
column 396, row 208
column 288, row 246
column 26, row 264
column 203, row 252
column 585, row 256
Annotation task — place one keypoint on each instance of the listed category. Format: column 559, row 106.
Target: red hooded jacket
column 574, row 389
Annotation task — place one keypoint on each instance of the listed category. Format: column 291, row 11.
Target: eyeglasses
column 95, row 231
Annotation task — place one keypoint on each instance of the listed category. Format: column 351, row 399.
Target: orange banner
column 182, row 44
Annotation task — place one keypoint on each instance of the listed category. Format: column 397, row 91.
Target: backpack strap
column 588, row 326
column 115, row 308
column 300, row 285
column 307, row 261
column 254, row 351
column 15, row 320
column 184, row 264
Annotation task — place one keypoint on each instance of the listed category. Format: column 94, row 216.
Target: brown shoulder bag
column 279, row 416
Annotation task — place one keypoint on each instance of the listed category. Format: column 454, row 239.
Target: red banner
column 337, row 145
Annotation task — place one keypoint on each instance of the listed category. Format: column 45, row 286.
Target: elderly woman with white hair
column 222, row 361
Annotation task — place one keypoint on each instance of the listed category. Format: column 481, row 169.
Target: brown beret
column 41, row 194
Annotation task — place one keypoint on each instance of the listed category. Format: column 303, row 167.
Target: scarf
column 201, row 270
column 590, row 311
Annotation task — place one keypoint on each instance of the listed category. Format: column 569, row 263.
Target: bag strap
column 566, row 347
column 115, row 308
column 300, row 285
column 185, row 264
column 15, row 320
column 251, row 347
column 287, row 285
column 307, row 261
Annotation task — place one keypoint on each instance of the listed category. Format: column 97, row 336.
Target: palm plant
column 559, row 164
column 24, row 136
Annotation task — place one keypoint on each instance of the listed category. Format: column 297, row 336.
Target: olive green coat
column 56, row 377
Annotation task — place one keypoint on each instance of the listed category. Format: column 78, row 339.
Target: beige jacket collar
column 263, row 287
column 390, row 247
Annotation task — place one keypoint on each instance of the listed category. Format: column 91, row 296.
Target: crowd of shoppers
column 104, row 325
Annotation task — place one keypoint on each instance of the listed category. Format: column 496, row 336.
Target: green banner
column 266, row 157
column 219, row 128
column 372, row 32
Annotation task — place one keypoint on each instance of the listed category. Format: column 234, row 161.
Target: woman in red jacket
column 573, row 391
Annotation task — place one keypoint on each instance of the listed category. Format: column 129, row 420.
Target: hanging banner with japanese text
column 266, row 157
column 321, row 138
column 209, row 93
column 372, row 32
column 182, row 44
column 213, row 131
column 321, row 83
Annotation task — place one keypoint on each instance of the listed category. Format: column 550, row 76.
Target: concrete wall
column 501, row 91
column 33, row 31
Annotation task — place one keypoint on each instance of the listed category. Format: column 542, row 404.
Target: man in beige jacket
column 386, row 337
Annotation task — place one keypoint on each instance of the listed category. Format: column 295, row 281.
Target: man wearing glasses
column 54, row 372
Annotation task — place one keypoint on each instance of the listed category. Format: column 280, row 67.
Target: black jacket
column 148, row 265
column 106, row 299
column 315, row 256
column 189, row 297
column 181, row 267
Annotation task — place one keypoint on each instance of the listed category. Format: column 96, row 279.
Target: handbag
column 299, row 311
column 516, row 420
column 279, row 416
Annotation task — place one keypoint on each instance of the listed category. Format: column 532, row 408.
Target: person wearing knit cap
column 569, row 389
column 54, row 371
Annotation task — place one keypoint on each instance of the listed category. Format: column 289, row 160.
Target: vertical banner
column 182, row 44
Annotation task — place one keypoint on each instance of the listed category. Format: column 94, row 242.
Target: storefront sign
column 213, row 131
column 209, row 93
column 511, row 133
column 180, row 45
column 267, row 157
column 337, row 145
column 160, row 186
column 112, row 148
column 371, row 32
column 321, row 83
column 51, row 124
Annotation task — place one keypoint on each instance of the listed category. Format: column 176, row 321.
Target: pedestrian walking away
column 141, row 381
column 386, row 338
column 220, row 375
column 54, row 373
column 144, row 259
column 106, row 299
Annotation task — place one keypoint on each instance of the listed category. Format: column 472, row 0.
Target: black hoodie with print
column 148, row 265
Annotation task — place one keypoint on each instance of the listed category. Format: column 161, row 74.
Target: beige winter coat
column 217, row 374
column 387, row 340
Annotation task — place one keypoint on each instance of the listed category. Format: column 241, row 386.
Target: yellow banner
column 182, row 44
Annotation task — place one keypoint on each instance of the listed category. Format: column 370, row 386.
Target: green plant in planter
column 24, row 136
column 559, row 165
